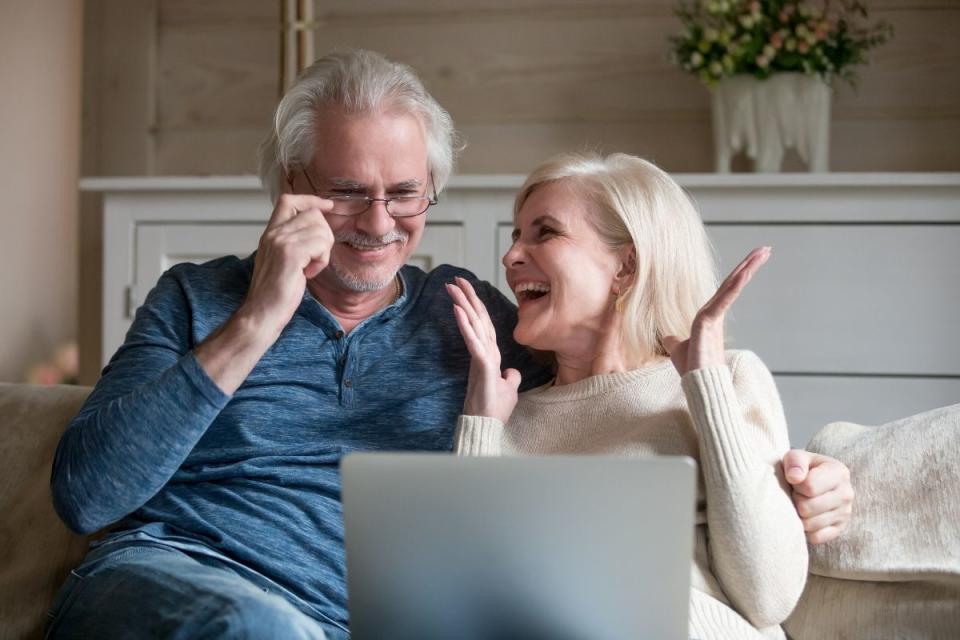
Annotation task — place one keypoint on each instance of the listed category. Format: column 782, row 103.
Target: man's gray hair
column 358, row 82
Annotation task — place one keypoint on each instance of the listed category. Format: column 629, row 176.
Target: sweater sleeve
column 757, row 545
column 147, row 412
column 478, row 436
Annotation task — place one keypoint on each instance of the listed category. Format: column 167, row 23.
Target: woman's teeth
column 531, row 290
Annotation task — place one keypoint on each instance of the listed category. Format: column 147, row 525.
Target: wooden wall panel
column 895, row 144
column 217, row 81
column 213, row 151
column 522, row 78
column 207, row 80
column 915, row 74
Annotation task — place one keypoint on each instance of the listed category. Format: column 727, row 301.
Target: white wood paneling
column 811, row 402
column 827, row 287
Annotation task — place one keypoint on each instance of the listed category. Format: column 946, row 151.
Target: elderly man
column 211, row 442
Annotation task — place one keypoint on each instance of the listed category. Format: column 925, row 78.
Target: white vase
column 767, row 117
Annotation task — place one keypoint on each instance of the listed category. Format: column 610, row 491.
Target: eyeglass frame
column 386, row 201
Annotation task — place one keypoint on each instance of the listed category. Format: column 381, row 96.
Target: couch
column 894, row 574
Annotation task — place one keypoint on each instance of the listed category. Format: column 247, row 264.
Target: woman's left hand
column 705, row 346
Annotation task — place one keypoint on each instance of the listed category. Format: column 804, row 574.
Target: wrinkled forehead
column 388, row 146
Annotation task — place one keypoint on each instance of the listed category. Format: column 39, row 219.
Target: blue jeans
column 147, row 590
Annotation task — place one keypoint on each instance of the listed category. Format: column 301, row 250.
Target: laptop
column 442, row 547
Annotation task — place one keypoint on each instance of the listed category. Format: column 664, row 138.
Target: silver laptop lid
column 442, row 547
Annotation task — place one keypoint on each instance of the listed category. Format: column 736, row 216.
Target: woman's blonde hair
column 635, row 203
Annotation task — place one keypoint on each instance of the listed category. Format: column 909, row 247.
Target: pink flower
column 823, row 30
column 755, row 7
column 44, row 373
column 803, row 47
column 67, row 359
column 776, row 41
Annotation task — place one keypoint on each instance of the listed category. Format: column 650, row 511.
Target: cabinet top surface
column 109, row 184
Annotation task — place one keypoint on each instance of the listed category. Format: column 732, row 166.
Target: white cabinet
column 856, row 313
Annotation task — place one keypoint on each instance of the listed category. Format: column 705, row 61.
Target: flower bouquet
column 723, row 38
column 61, row 368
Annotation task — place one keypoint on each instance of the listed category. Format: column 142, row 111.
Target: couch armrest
column 36, row 549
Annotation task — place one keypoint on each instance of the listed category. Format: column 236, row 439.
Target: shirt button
column 348, row 382
column 338, row 334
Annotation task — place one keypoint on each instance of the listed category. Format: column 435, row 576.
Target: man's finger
column 303, row 220
column 289, row 204
column 796, row 465
column 826, row 534
column 825, row 474
column 835, row 518
column 812, row 507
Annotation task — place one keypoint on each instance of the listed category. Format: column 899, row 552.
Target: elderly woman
column 614, row 277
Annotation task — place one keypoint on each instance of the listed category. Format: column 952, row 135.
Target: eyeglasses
column 397, row 206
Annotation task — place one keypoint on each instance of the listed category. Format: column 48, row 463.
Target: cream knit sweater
column 750, row 555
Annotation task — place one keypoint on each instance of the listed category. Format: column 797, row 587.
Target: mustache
column 366, row 240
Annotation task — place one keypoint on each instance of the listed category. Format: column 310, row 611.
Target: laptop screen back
column 575, row 548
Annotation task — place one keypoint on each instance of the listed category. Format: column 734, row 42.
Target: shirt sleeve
column 147, row 412
column 757, row 545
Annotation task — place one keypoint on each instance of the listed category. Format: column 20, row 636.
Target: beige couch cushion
column 872, row 610
column 896, row 572
column 36, row 549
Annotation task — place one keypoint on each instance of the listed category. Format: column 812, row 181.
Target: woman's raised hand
column 705, row 347
column 490, row 392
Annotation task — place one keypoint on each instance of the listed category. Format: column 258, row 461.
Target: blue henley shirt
column 253, row 478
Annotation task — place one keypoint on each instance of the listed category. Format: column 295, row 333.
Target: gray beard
column 351, row 282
